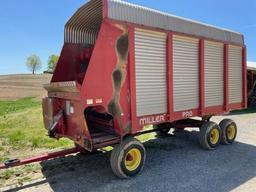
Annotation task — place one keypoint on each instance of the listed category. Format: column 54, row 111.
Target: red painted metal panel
column 226, row 84
column 135, row 126
column 186, row 114
column 170, row 75
column 236, row 106
column 105, row 9
column 98, row 79
column 215, row 110
column 64, row 70
column 201, row 78
column 106, row 78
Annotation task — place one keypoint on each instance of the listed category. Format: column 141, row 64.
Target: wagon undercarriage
column 210, row 136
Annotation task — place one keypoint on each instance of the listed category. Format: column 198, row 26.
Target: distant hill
column 23, row 85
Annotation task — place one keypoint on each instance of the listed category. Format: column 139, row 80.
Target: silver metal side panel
column 150, row 69
column 185, row 73
column 214, row 73
column 235, row 74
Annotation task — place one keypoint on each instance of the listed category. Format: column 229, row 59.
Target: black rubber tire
column 162, row 129
column 205, row 134
column 117, row 159
column 224, row 124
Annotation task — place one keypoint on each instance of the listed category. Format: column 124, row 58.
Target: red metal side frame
column 226, row 84
column 105, row 9
column 201, row 77
column 41, row 157
column 170, row 76
column 131, row 67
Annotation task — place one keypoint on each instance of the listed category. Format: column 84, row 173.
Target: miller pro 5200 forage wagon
column 124, row 66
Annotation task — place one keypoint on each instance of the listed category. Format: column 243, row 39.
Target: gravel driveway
column 174, row 163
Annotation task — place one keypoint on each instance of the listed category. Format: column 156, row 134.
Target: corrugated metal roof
column 84, row 25
column 128, row 12
column 251, row 65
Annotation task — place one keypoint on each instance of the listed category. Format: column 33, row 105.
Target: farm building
column 251, row 82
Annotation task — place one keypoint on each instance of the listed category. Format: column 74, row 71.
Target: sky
column 37, row 26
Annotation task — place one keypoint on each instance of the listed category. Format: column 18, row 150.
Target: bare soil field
column 23, row 85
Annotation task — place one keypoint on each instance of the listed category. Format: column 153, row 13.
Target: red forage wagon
column 124, row 66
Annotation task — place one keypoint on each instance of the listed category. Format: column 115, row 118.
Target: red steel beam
column 170, row 75
column 201, row 76
column 105, row 9
column 226, row 84
column 132, row 77
column 41, row 157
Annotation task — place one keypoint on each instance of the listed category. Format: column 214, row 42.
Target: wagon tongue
column 42, row 157
column 11, row 162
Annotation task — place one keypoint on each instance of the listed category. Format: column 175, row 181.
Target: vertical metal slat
column 235, row 74
column 214, row 74
column 150, row 69
column 185, row 73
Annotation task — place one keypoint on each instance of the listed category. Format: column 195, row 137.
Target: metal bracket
column 52, row 127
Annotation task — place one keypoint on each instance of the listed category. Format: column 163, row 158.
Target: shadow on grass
column 173, row 163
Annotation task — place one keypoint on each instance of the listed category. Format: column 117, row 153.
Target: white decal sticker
column 187, row 114
column 89, row 101
column 152, row 119
column 72, row 110
column 98, row 101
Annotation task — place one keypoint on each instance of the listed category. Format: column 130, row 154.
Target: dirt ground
column 23, row 85
column 174, row 163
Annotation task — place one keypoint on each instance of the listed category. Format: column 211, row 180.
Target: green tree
column 34, row 63
column 52, row 62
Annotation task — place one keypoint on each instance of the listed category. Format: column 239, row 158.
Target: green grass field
column 21, row 126
column 22, row 134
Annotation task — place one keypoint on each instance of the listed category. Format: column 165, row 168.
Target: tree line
column 34, row 63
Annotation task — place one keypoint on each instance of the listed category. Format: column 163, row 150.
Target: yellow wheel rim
column 231, row 132
column 214, row 136
column 132, row 159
